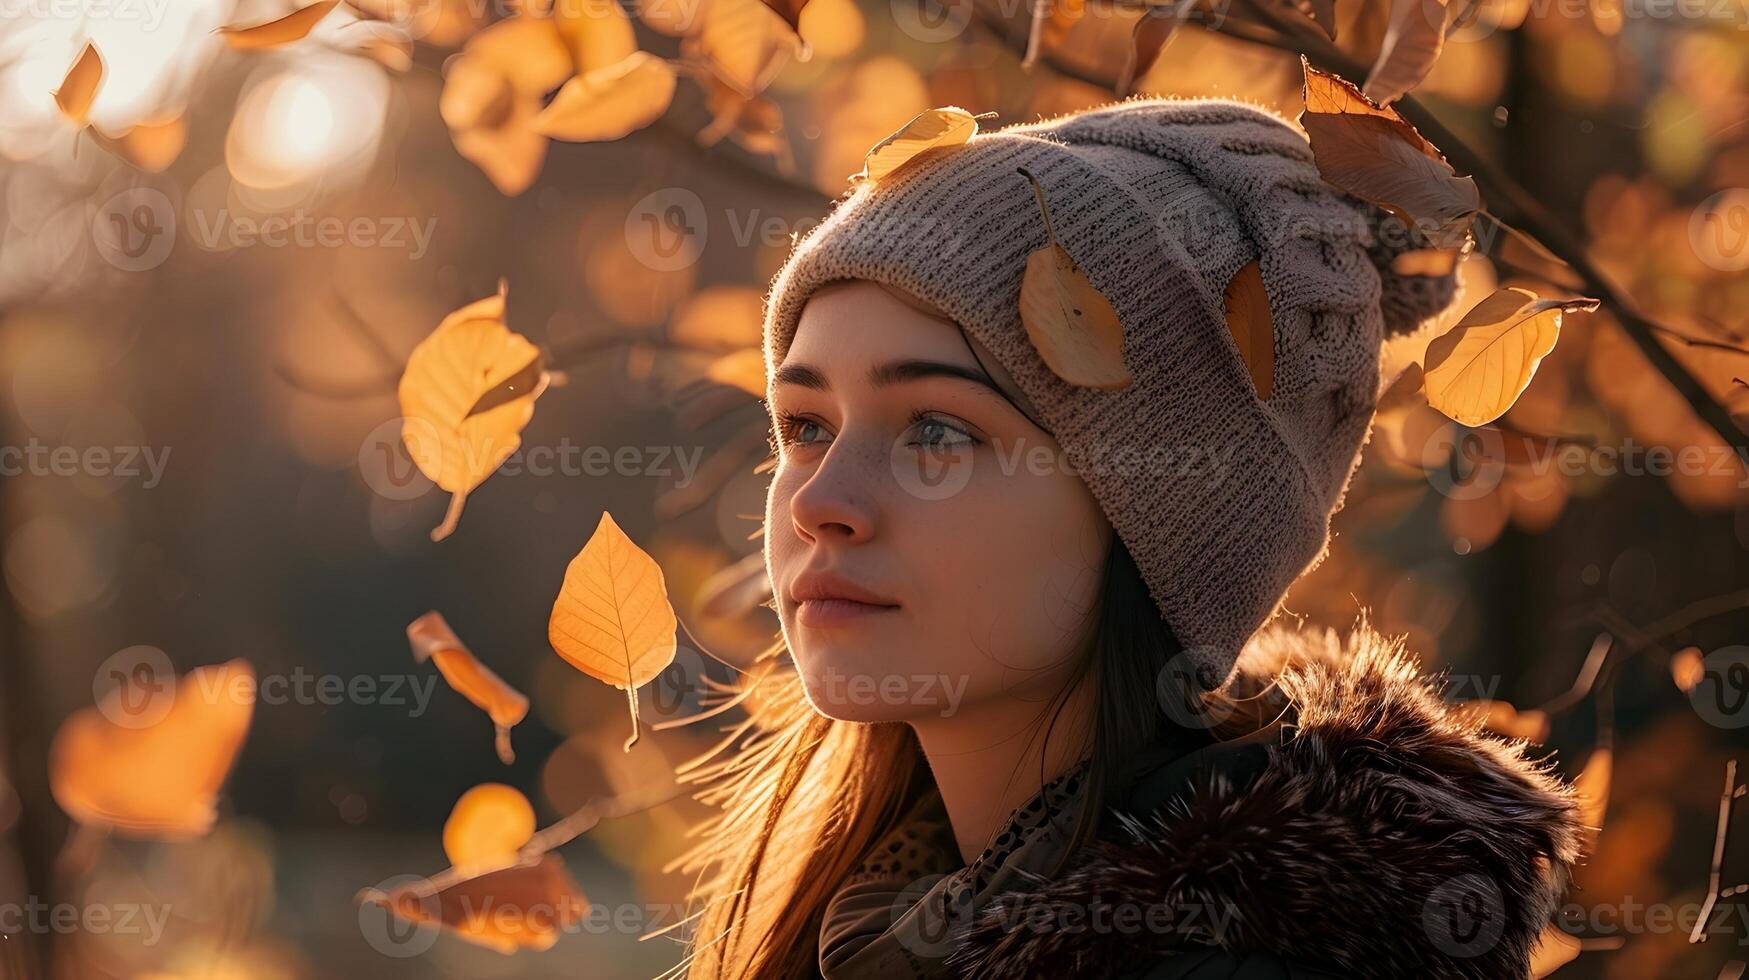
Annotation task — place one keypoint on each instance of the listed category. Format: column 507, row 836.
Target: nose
column 837, row 501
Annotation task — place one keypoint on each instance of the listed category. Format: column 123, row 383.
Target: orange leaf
column 526, row 906
column 158, row 781
column 1253, row 326
column 612, row 618
column 598, row 32
column 487, row 827
column 79, row 86
column 432, row 639
column 947, row 126
column 611, row 102
column 1476, row 370
column 150, row 146
column 294, row 26
column 1071, row 324
column 470, row 355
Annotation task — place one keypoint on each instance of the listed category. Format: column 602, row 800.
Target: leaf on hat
column 1478, row 368
column 432, row 639
column 932, row 128
column 1369, row 152
column 1253, row 325
column 79, row 86
column 609, row 103
column 294, row 26
column 1153, row 29
column 467, row 392
column 1412, row 44
column 612, row 619
column 1071, row 324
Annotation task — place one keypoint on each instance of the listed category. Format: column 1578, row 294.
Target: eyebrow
column 884, row 375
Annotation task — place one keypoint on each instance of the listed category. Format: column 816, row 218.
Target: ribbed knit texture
column 1160, row 202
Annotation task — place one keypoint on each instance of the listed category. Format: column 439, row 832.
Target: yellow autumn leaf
column 611, row 102
column 487, row 827
column 1253, row 326
column 612, row 618
column 598, row 32
column 744, row 42
column 1071, row 324
column 294, row 26
column 79, row 86
column 468, row 357
column 947, row 126
column 432, row 639
column 1478, row 368
column 158, row 781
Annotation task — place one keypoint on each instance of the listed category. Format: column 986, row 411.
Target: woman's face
column 930, row 549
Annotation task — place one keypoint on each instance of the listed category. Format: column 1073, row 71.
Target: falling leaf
column 470, row 354
column 1153, row 29
column 1478, row 368
column 947, row 126
column 158, row 781
column 432, row 639
column 294, row 26
column 1071, row 324
column 612, row 619
column 523, row 907
column 492, row 94
column 743, row 369
column 1371, row 153
column 743, row 41
column 150, row 146
column 597, row 32
column 1412, row 44
column 1507, row 721
column 1687, row 669
column 488, row 825
column 611, row 102
column 79, row 86
column 1253, row 326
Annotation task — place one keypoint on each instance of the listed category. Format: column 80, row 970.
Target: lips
column 826, row 599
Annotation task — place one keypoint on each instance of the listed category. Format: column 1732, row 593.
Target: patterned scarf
column 897, row 913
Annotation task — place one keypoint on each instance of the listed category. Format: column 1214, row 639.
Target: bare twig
column 1719, row 835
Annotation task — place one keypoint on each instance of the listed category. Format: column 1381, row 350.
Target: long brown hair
column 803, row 796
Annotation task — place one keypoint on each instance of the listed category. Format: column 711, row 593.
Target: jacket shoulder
column 1366, row 828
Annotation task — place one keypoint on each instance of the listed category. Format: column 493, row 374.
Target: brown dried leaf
column 1071, row 324
column 1153, row 29
column 1412, row 44
column 527, row 906
column 294, row 26
column 946, row 126
column 1253, row 326
column 1371, row 153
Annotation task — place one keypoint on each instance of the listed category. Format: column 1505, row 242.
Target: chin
column 863, row 681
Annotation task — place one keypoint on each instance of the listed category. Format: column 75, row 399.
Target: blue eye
column 933, row 432
column 796, row 430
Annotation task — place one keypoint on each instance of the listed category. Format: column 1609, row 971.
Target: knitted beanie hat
column 1223, row 498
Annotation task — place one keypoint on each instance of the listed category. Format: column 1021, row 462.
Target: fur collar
column 1373, row 832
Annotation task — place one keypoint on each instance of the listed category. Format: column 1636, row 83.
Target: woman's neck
column 991, row 758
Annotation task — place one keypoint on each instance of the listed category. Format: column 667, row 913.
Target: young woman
column 1033, row 726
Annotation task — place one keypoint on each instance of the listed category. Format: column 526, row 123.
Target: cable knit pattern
column 1222, row 498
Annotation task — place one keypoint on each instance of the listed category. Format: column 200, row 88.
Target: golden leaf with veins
column 432, row 639
column 1071, row 324
column 1478, row 368
column 159, row 781
column 612, row 619
column 470, row 354
column 947, row 126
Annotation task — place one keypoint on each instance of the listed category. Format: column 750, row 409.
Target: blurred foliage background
column 227, row 262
